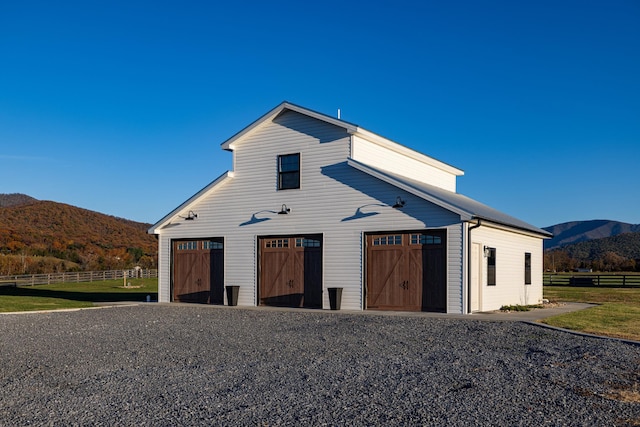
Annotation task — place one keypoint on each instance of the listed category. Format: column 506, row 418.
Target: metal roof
column 466, row 207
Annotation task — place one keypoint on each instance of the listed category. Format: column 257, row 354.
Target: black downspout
column 469, row 264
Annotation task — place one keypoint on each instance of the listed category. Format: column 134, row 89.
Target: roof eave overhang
column 464, row 215
column 187, row 205
column 489, row 222
column 269, row 116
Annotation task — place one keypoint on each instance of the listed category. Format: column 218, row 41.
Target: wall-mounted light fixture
column 284, row 210
column 190, row 216
column 399, row 203
column 487, row 251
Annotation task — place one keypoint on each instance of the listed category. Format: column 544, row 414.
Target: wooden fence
column 80, row 276
column 591, row 279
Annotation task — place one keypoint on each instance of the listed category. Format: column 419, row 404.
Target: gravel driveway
column 172, row 365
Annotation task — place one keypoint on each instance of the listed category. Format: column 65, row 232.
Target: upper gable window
column 288, row 171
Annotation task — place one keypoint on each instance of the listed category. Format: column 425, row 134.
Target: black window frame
column 288, row 172
column 527, row 268
column 491, row 266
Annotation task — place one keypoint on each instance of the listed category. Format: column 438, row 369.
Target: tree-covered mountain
column 43, row 236
column 599, row 245
column 581, row 231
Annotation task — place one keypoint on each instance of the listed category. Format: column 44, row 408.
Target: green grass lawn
column 75, row 295
column 617, row 315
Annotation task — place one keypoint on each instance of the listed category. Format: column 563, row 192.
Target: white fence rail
column 79, row 276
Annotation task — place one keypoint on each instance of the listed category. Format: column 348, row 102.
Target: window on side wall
column 491, row 266
column 527, row 268
column 288, row 171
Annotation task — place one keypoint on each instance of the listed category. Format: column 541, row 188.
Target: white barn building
column 315, row 203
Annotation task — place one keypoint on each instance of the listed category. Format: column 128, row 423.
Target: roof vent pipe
column 338, row 114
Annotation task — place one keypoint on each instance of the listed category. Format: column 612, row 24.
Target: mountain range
column 39, row 236
column 582, row 231
column 598, row 245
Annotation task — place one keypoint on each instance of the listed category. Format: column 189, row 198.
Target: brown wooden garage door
column 198, row 271
column 291, row 271
column 407, row 271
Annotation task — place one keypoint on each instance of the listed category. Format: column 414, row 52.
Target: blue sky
column 120, row 107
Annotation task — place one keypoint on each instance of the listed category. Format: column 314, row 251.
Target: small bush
column 520, row 307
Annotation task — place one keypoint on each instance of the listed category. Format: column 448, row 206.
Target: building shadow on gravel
column 33, row 291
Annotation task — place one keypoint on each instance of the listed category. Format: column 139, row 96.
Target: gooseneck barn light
column 190, row 216
column 284, row 210
column 399, row 203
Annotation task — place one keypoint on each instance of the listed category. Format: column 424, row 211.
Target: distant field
column 617, row 315
column 75, row 295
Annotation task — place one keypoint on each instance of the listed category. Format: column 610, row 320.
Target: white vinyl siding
column 455, row 296
column 164, row 262
column 510, row 285
column 386, row 159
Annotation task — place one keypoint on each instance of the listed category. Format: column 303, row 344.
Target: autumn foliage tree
column 611, row 254
column 42, row 237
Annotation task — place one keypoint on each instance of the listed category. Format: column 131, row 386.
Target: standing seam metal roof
column 449, row 200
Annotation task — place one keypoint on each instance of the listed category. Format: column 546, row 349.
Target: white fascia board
column 154, row 229
column 349, row 127
column 468, row 209
column 490, row 223
column 268, row 117
column 406, row 151
column 464, row 215
column 228, row 144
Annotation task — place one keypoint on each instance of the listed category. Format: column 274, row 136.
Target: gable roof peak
column 286, row 105
column 350, row 128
